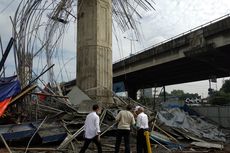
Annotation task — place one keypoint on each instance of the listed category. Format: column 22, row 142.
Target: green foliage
column 219, row 98
column 226, row 87
column 177, row 93
column 182, row 96
column 162, row 94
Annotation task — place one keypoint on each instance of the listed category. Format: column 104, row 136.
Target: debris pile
column 58, row 121
column 181, row 131
column 193, row 127
column 33, row 117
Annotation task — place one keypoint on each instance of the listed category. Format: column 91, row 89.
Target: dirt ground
column 108, row 144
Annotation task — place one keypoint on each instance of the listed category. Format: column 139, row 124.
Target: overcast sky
column 170, row 18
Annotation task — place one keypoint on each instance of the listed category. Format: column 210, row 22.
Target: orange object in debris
column 3, row 105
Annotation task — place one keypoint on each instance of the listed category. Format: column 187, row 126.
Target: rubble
column 36, row 119
column 172, row 129
column 195, row 126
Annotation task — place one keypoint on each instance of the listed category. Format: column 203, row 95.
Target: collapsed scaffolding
column 45, row 114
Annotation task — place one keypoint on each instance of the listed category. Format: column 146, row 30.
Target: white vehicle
column 192, row 100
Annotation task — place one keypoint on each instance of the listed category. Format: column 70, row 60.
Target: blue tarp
column 7, row 79
column 118, row 87
column 9, row 87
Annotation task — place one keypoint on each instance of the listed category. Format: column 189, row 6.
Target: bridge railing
column 175, row 37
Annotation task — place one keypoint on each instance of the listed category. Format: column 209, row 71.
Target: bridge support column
column 94, row 49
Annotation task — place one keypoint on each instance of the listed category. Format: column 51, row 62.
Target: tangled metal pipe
column 39, row 27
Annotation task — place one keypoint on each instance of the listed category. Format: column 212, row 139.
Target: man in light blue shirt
column 92, row 130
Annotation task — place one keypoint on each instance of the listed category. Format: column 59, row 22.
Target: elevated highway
column 199, row 54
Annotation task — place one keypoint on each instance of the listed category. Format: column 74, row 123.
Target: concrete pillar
column 94, row 48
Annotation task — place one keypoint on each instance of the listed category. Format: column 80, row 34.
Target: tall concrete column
column 94, row 48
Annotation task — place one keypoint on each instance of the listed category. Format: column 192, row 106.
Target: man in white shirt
column 142, row 126
column 125, row 119
column 92, row 130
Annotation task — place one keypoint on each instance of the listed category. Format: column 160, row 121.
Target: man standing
column 125, row 119
column 142, row 126
column 92, row 130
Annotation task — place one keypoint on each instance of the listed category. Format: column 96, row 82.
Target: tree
column 182, row 95
column 221, row 97
column 177, row 93
column 226, row 87
column 162, row 94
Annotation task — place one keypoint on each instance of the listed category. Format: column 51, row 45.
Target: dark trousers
column 120, row 134
column 141, row 141
column 88, row 141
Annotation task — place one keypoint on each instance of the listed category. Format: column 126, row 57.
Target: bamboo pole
column 34, row 134
column 107, row 129
column 51, row 95
column 4, row 141
column 41, row 149
column 166, row 133
column 23, row 93
column 161, row 144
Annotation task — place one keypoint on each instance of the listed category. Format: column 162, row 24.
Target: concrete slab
column 86, row 106
column 82, row 100
column 76, row 96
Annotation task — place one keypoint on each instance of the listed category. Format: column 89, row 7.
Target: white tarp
column 176, row 117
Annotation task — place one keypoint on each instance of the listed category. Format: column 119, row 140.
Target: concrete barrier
column 218, row 114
